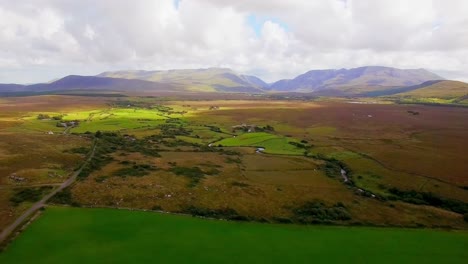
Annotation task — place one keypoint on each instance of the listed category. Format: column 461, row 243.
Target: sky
column 42, row 40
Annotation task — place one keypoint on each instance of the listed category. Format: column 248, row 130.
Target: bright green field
column 115, row 119
column 74, row 235
column 273, row 144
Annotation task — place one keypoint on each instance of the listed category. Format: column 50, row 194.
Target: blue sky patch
column 256, row 23
column 176, row 3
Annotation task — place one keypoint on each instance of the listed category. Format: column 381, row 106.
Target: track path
column 7, row 231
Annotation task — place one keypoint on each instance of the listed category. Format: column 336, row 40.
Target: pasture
column 271, row 143
column 405, row 169
column 77, row 235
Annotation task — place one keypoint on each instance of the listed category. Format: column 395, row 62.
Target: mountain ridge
column 371, row 77
column 203, row 80
column 91, row 83
column 368, row 81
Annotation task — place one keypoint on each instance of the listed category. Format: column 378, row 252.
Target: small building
column 16, row 178
column 245, row 127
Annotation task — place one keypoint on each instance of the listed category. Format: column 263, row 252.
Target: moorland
column 282, row 160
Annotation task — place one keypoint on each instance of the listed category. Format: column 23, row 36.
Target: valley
column 204, row 131
column 168, row 146
column 256, row 160
column 325, row 161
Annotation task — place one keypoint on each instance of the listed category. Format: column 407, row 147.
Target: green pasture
column 78, row 235
column 273, row 144
column 114, row 124
column 35, row 125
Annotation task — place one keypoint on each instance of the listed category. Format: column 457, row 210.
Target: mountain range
column 204, row 80
column 356, row 80
column 362, row 81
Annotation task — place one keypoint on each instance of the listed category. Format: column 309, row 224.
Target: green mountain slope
column 454, row 92
column 442, row 89
column 205, row 80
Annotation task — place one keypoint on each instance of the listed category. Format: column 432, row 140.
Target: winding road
column 7, row 231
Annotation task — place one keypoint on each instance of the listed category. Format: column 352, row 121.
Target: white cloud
column 46, row 39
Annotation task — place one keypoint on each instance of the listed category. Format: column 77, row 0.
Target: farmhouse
column 245, row 128
column 73, row 123
column 252, row 128
column 16, row 178
column 260, row 150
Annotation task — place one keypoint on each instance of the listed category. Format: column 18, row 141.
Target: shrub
column 240, row 184
column 428, row 198
column 64, row 197
column 233, row 160
column 79, row 150
column 195, row 174
column 43, row 116
column 135, row 170
column 222, row 213
column 29, row 195
column 212, row 171
column 319, row 212
column 156, row 208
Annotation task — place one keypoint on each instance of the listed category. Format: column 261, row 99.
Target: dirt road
column 7, row 231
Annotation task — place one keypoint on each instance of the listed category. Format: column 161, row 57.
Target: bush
column 29, row 195
column 79, row 150
column 156, row 208
column 282, row 220
column 195, row 174
column 43, row 116
column 298, row 145
column 427, row 198
column 64, row 197
column 233, row 160
column 213, row 171
column 135, row 170
column 222, row 213
column 319, row 212
column 240, row 184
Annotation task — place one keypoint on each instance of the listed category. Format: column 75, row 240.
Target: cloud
column 46, row 39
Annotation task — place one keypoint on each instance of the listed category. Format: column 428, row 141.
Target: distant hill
column 445, row 92
column 353, row 81
column 371, row 81
column 442, row 89
column 11, row 87
column 89, row 83
column 203, row 80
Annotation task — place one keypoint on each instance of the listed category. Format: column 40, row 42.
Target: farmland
column 76, row 235
column 257, row 160
column 271, row 143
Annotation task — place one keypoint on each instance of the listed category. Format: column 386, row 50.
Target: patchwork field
column 77, row 235
column 262, row 160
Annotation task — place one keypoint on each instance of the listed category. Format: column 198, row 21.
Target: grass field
column 273, row 144
column 73, row 235
column 161, row 157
